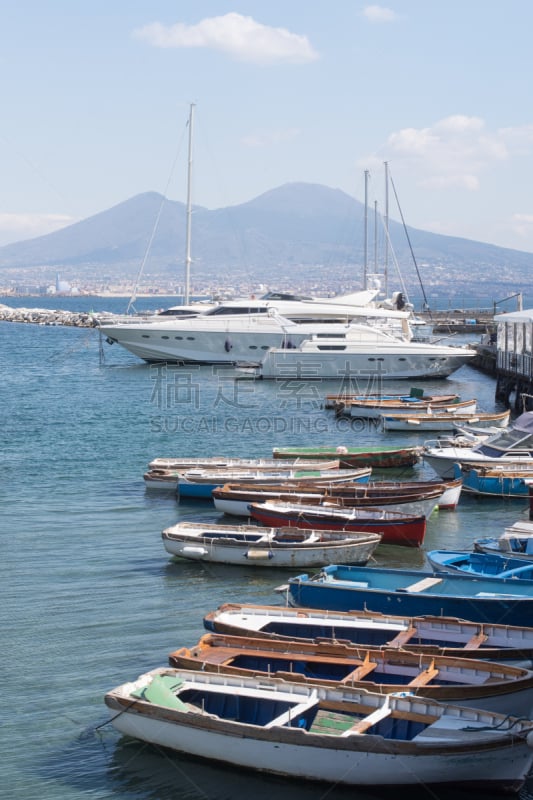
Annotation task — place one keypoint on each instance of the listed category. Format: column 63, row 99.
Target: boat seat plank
column 420, row 586
column 402, row 637
column 367, row 722
column 424, row 677
column 331, row 722
column 363, row 669
column 476, row 641
column 293, row 712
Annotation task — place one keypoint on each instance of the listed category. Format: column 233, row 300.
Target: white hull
column 212, row 341
column 254, row 556
column 222, row 462
column 164, row 473
column 451, row 496
column 241, row 546
column 334, row 766
column 442, row 460
column 460, row 745
column 161, row 483
column 513, row 445
column 243, row 337
column 377, row 411
column 440, row 421
column 389, row 366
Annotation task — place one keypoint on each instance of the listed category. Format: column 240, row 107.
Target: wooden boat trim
column 461, row 677
column 467, row 645
column 447, row 728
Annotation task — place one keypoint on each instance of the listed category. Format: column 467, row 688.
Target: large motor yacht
column 244, row 330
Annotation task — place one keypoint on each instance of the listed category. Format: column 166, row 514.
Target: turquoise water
column 90, row 598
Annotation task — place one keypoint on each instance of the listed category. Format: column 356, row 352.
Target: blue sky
column 95, row 98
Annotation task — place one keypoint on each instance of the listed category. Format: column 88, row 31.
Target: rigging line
column 400, row 276
column 156, row 224
column 426, row 304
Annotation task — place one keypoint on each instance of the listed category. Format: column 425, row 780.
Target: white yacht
column 242, row 331
column 362, row 350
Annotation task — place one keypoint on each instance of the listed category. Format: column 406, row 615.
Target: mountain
column 310, row 231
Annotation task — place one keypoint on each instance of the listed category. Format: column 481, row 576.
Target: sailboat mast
column 365, row 271
column 189, row 211
column 386, row 267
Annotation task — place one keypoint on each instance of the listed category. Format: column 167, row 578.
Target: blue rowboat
column 510, row 480
column 415, row 593
column 493, row 565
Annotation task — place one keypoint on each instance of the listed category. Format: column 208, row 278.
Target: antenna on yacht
column 189, row 211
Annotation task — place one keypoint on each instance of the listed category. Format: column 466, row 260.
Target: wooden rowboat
column 235, row 498
column 439, row 635
column 339, row 735
column 469, row 682
column 200, row 483
column 338, row 400
column 373, row 409
column 394, row 527
column 252, row 545
column 379, row 457
column 447, row 420
column 168, row 478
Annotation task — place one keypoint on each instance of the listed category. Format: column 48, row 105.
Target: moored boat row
column 328, row 682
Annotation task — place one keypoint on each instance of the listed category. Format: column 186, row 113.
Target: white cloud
column 16, row 227
column 379, row 14
column 522, row 225
column 235, row 35
column 270, row 138
column 454, row 152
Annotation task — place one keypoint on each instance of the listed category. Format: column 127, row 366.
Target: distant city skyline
column 96, row 105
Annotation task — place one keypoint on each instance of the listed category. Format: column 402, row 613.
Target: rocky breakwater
column 46, row 316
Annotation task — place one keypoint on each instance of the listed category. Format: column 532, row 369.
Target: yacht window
column 226, row 311
column 512, row 439
column 328, row 335
column 284, row 296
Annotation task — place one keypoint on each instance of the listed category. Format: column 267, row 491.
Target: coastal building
column 514, row 358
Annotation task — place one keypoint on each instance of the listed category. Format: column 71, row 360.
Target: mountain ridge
column 306, row 229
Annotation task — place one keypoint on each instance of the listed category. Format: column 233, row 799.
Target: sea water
column 90, row 598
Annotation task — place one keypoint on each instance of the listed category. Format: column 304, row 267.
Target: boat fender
column 227, row 345
column 256, row 554
column 529, row 739
column 194, row 552
column 341, row 450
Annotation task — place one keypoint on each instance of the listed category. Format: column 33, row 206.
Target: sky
column 96, row 96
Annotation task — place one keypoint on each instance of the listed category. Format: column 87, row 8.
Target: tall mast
column 386, row 267
column 189, row 211
column 365, row 271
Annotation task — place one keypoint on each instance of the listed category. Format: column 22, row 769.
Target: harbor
column 87, row 582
